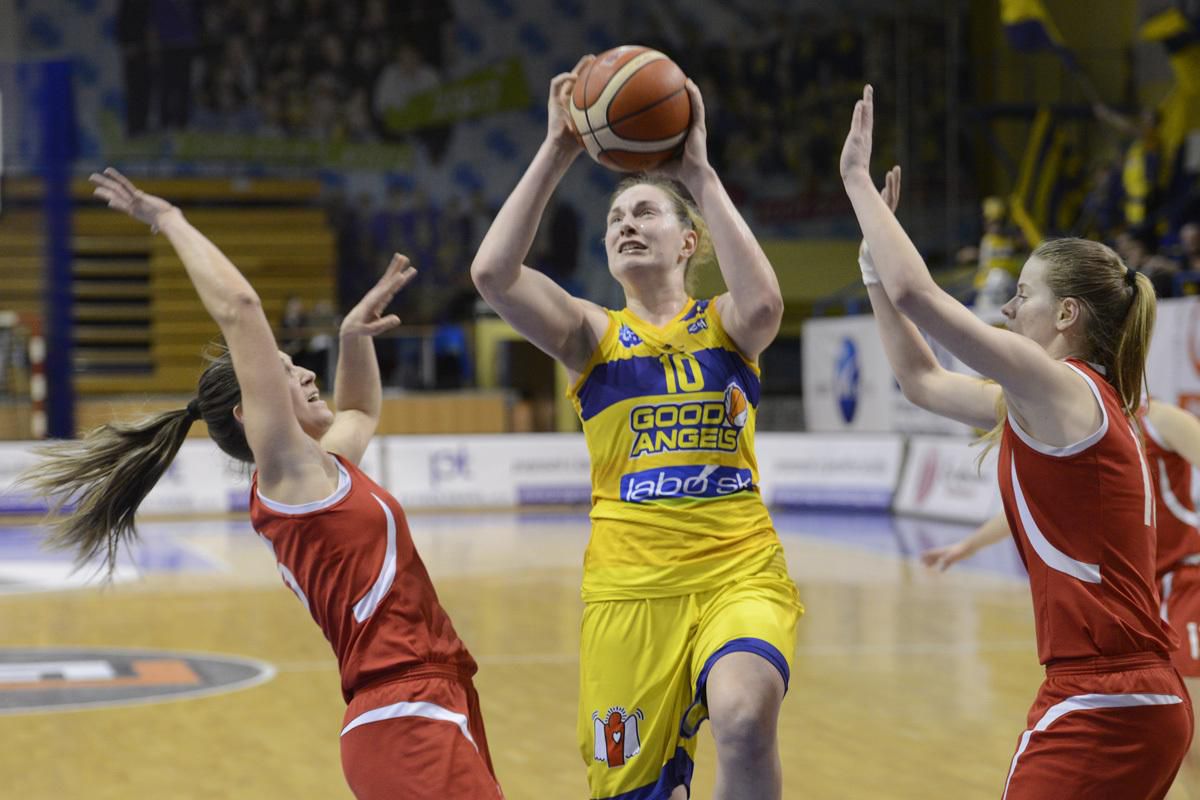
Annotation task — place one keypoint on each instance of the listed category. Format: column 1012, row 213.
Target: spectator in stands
column 404, row 76
column 996, row 256
column 1139, row 248
column 133, row 35
column 292, row 327
column 1189, row 247
column 1102, row 214
column 1139, row 176
column 177, row 31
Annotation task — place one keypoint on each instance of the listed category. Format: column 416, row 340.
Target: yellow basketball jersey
column 668, row 414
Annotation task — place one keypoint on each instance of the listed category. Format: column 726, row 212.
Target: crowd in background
column 307, row 68
column 776, row 96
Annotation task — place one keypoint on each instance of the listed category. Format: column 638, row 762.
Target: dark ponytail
column 94, row 485
column 103, row 478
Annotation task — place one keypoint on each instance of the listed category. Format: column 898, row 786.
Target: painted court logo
column 617, row 737
column 54, row 679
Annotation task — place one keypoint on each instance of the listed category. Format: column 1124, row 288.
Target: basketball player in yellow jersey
column 689, row 610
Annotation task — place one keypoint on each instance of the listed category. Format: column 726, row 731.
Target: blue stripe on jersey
column 726, row 364
column 693, row 480
column 676, row 772
column 645, row 376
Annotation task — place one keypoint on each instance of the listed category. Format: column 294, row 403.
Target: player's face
column 644, row 233
column 1034, row 308
column 311, row 411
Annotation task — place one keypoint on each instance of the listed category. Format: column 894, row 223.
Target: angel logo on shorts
column 617, row 735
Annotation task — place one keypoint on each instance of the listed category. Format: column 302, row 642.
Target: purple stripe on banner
column 831, row 497
column 22, row 505
column 554, row 495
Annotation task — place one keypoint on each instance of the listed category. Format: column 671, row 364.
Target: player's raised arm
column 565, row 327
column 753, row 307
column 272, row 431
column 1043, row 392
column 358, row 392
column 923, row 380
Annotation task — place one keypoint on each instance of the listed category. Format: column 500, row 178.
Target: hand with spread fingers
column 119, row 192
column 366, row 318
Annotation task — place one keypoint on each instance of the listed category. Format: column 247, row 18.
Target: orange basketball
column 631, row 108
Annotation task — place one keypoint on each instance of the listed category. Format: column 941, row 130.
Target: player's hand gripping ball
column 631, row 108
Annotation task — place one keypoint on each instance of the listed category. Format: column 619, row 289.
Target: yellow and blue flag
column 1029, row 28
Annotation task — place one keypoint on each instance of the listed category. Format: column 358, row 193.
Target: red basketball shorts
column 1100, row 728
column 1181, row 609
column 419, row 739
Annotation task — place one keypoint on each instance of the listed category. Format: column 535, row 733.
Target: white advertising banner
column 201, row 480
column 857, row 471
column 849, row 386
column 500, row 470
column 943, row 480
column 1173, row 366
column 15, row 458
column 847, row 381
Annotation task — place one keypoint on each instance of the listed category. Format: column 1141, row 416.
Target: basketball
column 631, row 108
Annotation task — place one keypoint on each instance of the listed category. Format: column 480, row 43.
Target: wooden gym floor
column 907, row 684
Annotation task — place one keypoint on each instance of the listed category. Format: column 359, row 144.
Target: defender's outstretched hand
column 366, row 318
column 891, row 197
column 120, row 193
column 856, row 152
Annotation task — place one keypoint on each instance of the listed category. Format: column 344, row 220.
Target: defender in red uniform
column 1113, row 718
column 413, row 727
column 1172, row 440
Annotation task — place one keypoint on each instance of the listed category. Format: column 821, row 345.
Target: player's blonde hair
column 1118, row 309
column 705, row 255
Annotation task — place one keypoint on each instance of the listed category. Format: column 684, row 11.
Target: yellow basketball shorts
column 643, row 670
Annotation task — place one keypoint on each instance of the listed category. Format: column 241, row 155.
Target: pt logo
column 617, row 735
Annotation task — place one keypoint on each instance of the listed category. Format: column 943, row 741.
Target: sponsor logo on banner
column 942, row 480
column 927, row 475
column 54, row 679
column 829, row 471
column 449, row 464
column 845, row 381
column 558, row 474
column 616, row 735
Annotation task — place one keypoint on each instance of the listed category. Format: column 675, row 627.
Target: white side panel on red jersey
column 1051, row 555
column 365, row 607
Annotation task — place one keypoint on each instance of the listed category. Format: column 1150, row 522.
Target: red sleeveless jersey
column 1083, row 520
column 1176, row 511
column 351, row 561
